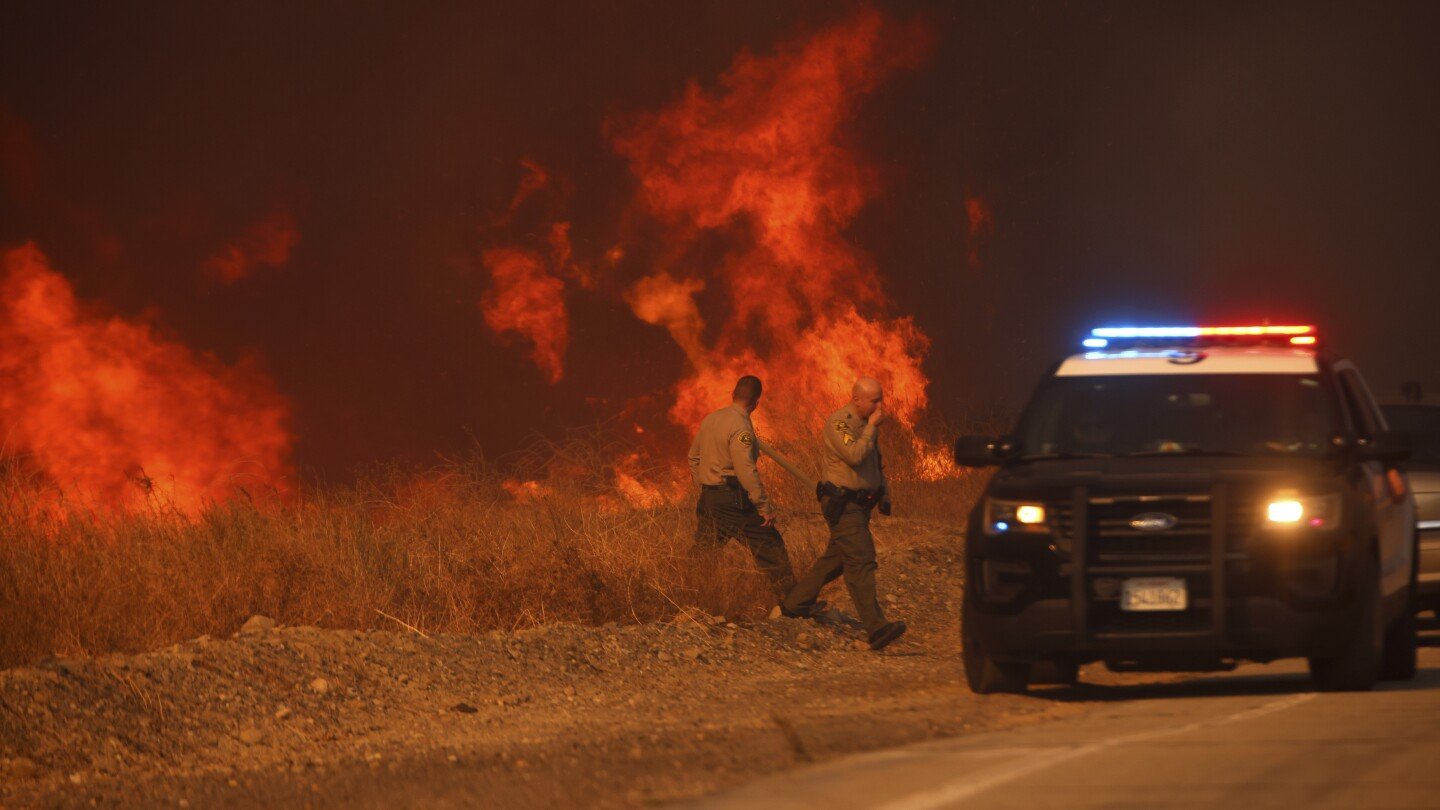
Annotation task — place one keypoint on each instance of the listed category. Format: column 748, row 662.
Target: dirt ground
column 613, row 716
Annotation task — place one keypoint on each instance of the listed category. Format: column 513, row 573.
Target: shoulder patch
column 843, row 428
column 746, row 439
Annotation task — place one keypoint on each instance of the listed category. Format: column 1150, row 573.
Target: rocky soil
column 565, row 715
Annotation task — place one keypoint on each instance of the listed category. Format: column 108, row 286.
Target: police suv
column 1183, row 498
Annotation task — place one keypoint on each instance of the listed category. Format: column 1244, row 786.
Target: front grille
column 1113, row 540
column 1177, row 542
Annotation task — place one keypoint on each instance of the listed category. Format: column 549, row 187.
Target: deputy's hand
column 769, row 519
column 879, row 416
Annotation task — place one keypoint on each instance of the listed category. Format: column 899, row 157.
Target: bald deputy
column 733, row 503
column 853, row 485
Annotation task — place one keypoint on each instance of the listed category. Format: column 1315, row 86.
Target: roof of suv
column 1208, row 360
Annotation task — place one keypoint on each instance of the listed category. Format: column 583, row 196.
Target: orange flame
column 115, row 414
column 526, row 491
column 764, row 157
column 528, row 300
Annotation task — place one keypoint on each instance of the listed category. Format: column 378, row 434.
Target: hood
column 1163, row 474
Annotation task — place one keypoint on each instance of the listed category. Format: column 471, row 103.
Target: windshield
column 1223, row 414
column 1422, row 423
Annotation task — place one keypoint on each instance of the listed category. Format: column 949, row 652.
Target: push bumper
column 1262, row 629
column 1249, row 597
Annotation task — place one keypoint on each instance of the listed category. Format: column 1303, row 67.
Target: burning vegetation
column 134, row 448
column 109, row 413
column 760, row 165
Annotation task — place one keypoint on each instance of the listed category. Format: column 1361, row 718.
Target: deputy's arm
column 695, row 459
column 743, row 460
column 886, row 505
column 852, row 447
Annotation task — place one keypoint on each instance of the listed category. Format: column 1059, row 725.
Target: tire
column 983, row 674
column 1357, row 667
column 1400, row 659
column 1055, row 671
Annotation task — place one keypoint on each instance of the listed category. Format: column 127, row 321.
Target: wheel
column 1401, row 656
column 984, row 674
column 1400, row 659
column 1357, row 667
column 1055, row 671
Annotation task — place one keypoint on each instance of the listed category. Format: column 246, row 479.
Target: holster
column 742, row 497
column 833, row 499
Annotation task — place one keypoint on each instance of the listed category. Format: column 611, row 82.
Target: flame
column 526, row 491
column 640, row 488
column 115, row 414
column 669, row 302
column 763, row 159
column 934, row 462
column 528, row 299
column 265, row 244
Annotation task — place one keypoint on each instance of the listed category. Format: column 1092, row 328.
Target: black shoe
column 811, row 612
column 881, row 637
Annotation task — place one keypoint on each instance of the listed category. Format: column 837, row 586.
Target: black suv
column 1182, row 498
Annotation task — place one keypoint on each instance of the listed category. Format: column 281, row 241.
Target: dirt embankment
column 609, row 716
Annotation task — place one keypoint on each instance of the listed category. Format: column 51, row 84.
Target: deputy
column 733, row 503
column 853, row 485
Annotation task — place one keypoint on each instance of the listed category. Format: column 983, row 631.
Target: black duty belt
column 730, row 483
column 863, row 497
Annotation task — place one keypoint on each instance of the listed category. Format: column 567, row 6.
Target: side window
column 1362, row 409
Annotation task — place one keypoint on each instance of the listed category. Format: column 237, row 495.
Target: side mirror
column 981, row 451
column 1390, row 446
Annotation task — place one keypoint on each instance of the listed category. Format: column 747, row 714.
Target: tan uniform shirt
column 725, row 446
column 852, row 457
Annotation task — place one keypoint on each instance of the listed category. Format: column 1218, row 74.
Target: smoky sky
column 1143, row 162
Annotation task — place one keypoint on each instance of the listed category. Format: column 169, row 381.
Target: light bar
column 1122, row 338
column 1132, row 332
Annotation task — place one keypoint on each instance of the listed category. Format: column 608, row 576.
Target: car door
column 1392, row 501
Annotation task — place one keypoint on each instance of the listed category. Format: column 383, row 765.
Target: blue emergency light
column 1113, row 336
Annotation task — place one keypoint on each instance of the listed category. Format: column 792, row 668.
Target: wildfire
column 116, row 414
column 761, row 166
column 527, row 299
column 764, row 157
column 526, row 491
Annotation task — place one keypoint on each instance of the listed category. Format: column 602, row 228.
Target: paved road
column 1255, row 738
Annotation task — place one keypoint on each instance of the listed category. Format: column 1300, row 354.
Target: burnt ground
column 610, row 716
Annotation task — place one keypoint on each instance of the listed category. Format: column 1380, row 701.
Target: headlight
column 1315, row 512
column 1010, row 517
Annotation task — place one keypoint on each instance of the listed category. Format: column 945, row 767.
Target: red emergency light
column 1195, row 335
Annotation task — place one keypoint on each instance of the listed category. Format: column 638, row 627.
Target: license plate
column 1153, row 593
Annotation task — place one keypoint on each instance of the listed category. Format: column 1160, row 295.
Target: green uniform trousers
column 851, row 552
column 722, row 514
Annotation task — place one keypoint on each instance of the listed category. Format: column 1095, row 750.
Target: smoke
column 266, row 244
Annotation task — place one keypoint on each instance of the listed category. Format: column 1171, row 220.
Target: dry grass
column 447, row 550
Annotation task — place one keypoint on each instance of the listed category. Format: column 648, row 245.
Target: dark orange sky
column 1140, row 162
